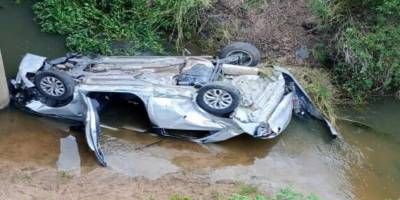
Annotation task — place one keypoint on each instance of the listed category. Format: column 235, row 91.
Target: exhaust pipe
column 4, row 93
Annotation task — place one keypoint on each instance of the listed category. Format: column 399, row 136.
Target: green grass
column 283, row 194
column 362, row 38
column 179, row 197
column 103, row 26
column 246, row 192
column 316, row 82
column 321, row 54
column 321, row 9
column 251, row 193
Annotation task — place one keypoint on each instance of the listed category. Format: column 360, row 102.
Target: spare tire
column 54, row 85
column 248, row 54
column 218, row 99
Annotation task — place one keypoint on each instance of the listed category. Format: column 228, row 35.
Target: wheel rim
column 218, row 99
column 244, row 57
column 52, row 86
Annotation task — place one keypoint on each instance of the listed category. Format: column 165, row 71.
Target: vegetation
column 251, row 193
column 120, row 26
column 179, row 197
column 364, row 38
column 317, row 83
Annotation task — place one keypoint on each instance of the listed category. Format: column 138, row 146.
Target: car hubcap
column 52, row 86
column 218, row 99
column 244, row 57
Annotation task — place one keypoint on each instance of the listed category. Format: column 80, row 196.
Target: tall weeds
column 363, row 44
column 120, row 26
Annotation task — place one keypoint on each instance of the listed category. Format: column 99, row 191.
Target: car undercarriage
column 222, row 97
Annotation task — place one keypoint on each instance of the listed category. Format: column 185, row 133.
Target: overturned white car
column 220, row 97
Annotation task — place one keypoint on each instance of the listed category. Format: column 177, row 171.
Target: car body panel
column 92, row 127
column 266, row 101
column 306, row 103
column 30, row 64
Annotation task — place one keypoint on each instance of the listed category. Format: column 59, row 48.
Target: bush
column 98, row 26
column 371, row 60
column 365, row 37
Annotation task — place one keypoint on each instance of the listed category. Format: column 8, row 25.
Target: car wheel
column 248, row 54
column 54, row 85
column 218, row 99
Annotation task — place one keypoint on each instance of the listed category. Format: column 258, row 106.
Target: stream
column 364, row 164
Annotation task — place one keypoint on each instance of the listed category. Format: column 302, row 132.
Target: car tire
column 250, row 55
column 218, row 99
column 54, row 85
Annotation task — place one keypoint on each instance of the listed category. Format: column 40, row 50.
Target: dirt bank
column 29, row 181
column 274, row 26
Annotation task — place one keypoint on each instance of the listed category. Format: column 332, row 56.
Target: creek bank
column 46, row 183
column 359, row 41
column 274, row 26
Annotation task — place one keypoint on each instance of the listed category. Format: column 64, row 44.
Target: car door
column 92, row 127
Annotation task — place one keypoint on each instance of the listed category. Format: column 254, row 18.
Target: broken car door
column 92, row 127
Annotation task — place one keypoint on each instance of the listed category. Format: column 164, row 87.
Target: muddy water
column 19, row 34
column 363, row 165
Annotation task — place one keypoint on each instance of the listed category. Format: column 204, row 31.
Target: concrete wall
column 4, row 95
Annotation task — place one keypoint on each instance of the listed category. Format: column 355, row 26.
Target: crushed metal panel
column 307, row 102
column 179, row 113
column 280, row 119
column 92, row 128
column 264, row 111
column 72, row 111
column 30, row 64
column 221, row 135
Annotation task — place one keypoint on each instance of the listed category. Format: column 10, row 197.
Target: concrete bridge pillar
column 4, row 94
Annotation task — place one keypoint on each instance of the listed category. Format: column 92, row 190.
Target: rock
column 309, row 23
column 302, row 53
